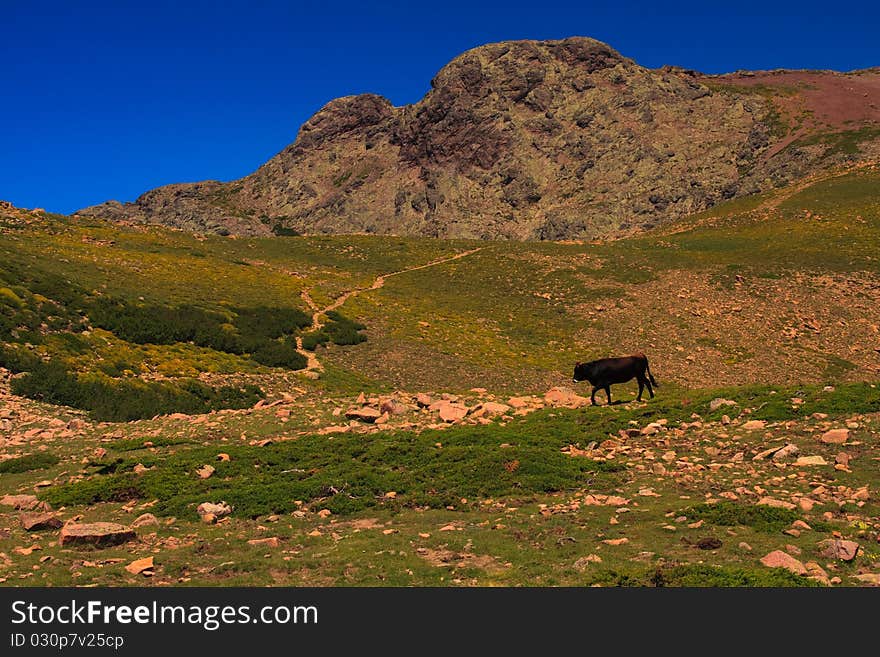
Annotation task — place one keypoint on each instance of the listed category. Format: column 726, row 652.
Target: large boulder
column 97, row 534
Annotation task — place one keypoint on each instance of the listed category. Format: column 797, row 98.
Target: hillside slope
column 536, row 140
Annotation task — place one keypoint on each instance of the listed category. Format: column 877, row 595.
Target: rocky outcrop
column 521, row 140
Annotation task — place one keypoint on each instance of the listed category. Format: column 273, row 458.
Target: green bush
column 120, row 401
column 344, row 331
column 279, row 354
column 39, row 461
column 729, row 514
column 18, row 359
column 311, row 341
column 265, row 322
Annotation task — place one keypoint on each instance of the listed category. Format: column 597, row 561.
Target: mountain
column 537, row 140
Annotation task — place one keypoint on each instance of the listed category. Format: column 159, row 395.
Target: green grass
column 349, row 472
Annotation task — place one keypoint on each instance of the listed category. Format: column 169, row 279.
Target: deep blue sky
column 103, row 100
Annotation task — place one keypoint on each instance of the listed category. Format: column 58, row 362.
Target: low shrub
column 114, row 400
column 38, row 461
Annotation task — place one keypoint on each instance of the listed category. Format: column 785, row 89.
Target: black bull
column 605, row 371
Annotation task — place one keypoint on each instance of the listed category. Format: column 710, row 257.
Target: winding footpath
column 313, row 363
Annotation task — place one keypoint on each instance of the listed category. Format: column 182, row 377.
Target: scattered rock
column 615, row 541
column 423, row 400
column 754, row 425
column 718, row 402
column 869, row 578
column 210, row 512
column 365, row 414
column 582, row 563
column 559, row 396
column 33, row 522
column 144, row 520
column 141, row 567
column 271, row 542
column 779, row 559
column 205, row 471
column 490, row 408
column 778, row 504
column 835, row 436
column 453, row 412
column 23, row 502
column 98, row 534
column 835, row 548
column 810, row 460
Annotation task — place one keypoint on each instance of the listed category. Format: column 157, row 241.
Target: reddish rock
column 23, row 502
column 365, row 414
column 490, row 408
column 451, row 412
column 271, row 542
column 779, row 559
column 777, row 504
column 143, row 567
column 754, row 425
column 33, row 522
column 98, row 534
column 210, row 512
column 423, row 400
column 393, row 407
column 835, row 436
column 810, row 460
column 835, row 548
column 559, row 396
column 145, row 519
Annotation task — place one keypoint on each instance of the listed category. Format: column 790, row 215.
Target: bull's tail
column 650, row 376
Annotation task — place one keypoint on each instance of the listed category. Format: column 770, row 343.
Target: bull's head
column 581, row 372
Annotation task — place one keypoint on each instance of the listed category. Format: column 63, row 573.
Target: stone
column 453, row 412
column 392, row 407
column 215, row 511
column 582, row 563
column 754, row 425
column 33, row 522
column 777, row 504
column 144, row 520
column 837, row 548
column 490, row 408
column 559, row 396
column 141, row 567
column 843, row 459
column 835, row 436
column 869, row 578
column 718, row 402
column 23, row 502
column 810, row 460
column 365, row 414
column 786, row 452
column 423, row 400
column 779, row 559
column 205, row 471
column 97, row 534
column 271, row 542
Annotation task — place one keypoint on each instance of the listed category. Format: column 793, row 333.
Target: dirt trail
column 313, row 362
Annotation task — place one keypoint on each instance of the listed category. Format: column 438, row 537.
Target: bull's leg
column 593, row 396
column 650, row 388
column 641, row 387
column 608, row 394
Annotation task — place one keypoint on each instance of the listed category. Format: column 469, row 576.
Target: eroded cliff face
column 518, row 140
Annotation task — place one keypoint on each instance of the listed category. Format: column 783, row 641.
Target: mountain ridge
column 536, row 140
